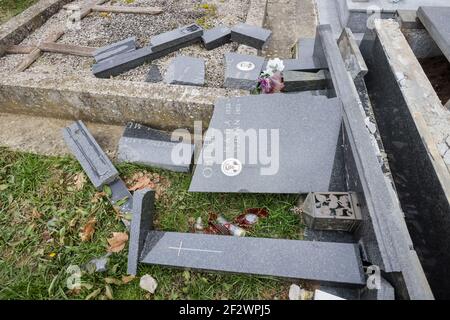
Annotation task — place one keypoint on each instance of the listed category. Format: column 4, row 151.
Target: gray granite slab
column 187, row 34
column 302, row 65
column 437, row 22
column 94, row 161
column 111, row 50
column 325, row 262
column 308, row 130
column 146, row 146
column 186, row 71
column 242, row 71
column 126, row 61
column 154, row 75
column 141, row 223
column 216, row 37
column 295, row 81
column 249, row 35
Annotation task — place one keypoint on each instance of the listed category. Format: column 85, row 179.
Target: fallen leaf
column 3, row 187
column 115, row 281
column 117, row 242
column 148, row 283
column 128, row 279
column 52, row 254
column 36, row 214
column 93, row 294
column 79, row 181
column 88, row 230
column 109, row 292
column 143, row 183
column 98, row 196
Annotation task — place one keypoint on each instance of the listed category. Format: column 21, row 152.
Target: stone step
column 326, row 262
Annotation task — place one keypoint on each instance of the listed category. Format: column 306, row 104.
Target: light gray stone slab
column 186, row 71
column 216, row 37
column 94, row 161
column 437, row 22
column 146, row 146
column 249, row 35
column 242, row 71
column 308, row 133
column 325, row 262
column 295, row 81
column 187, row 34
column 111, row 50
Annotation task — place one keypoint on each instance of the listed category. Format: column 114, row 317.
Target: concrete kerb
column 102, row 100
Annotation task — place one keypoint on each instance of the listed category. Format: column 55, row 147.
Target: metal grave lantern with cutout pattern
column 338, row 211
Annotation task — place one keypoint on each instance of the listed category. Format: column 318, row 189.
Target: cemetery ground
column 47, row 205
column 47, row 213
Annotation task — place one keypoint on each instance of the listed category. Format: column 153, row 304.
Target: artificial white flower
column 274, row 65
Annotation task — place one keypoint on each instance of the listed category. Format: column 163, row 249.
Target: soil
column 437, row 70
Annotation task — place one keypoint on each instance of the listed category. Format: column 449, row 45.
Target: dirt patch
column 437, row 70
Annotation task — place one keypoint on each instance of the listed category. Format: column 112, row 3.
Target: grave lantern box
column 337, row 211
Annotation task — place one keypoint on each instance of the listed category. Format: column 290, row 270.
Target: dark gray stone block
column 126, row 61
column 302, row 65
column 308, row 128
column 141, row 224
column 154, row 75
column 143, row 145
column 295, row 81
column 184, row 35
column 249, row 35
column 242, row 71
column 94, row 161
column 114, row 49
column 324, row 262
column 186, row 71
column 216, row 37
column 436, row 21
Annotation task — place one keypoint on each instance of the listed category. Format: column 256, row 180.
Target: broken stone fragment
column 216, row 37
column 186, row 71
column 249, row 35
column 296, row 81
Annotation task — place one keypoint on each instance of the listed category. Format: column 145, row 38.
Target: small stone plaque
column 216, row 37
column 242, row 71
column 249, row 35
column 186, row 71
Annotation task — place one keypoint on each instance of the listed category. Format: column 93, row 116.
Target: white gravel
column 99, row 30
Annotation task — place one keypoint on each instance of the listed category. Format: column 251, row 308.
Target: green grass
column 10, row 8
column 35, row 254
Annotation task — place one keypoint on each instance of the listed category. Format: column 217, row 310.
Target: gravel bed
column 100, row 29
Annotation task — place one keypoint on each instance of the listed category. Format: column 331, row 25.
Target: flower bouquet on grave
column 271, row 79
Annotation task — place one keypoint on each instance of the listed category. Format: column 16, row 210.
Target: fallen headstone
column 97, row 165
column 249, row 35
column 295, row 81
column 186, row 71
column 114, row 49
column 146, row 146
column 277, row 143
column 181, row 36
column 94, row 161
column 216, row 37
column 154, row 75
column 242, row 71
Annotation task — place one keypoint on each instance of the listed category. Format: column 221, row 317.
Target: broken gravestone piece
column 154, row 75
column 295, row 81
column 97, row 165
column 94, row 161
column 290, row 127
column 249, row 35
column 242, row 71
column 186, row 71
column 114, row 49
column 146, row 146
column 216, row 37
column 182, row 36
column 337, row 211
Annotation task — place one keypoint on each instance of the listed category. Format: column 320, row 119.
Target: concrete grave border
column 103, row 100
